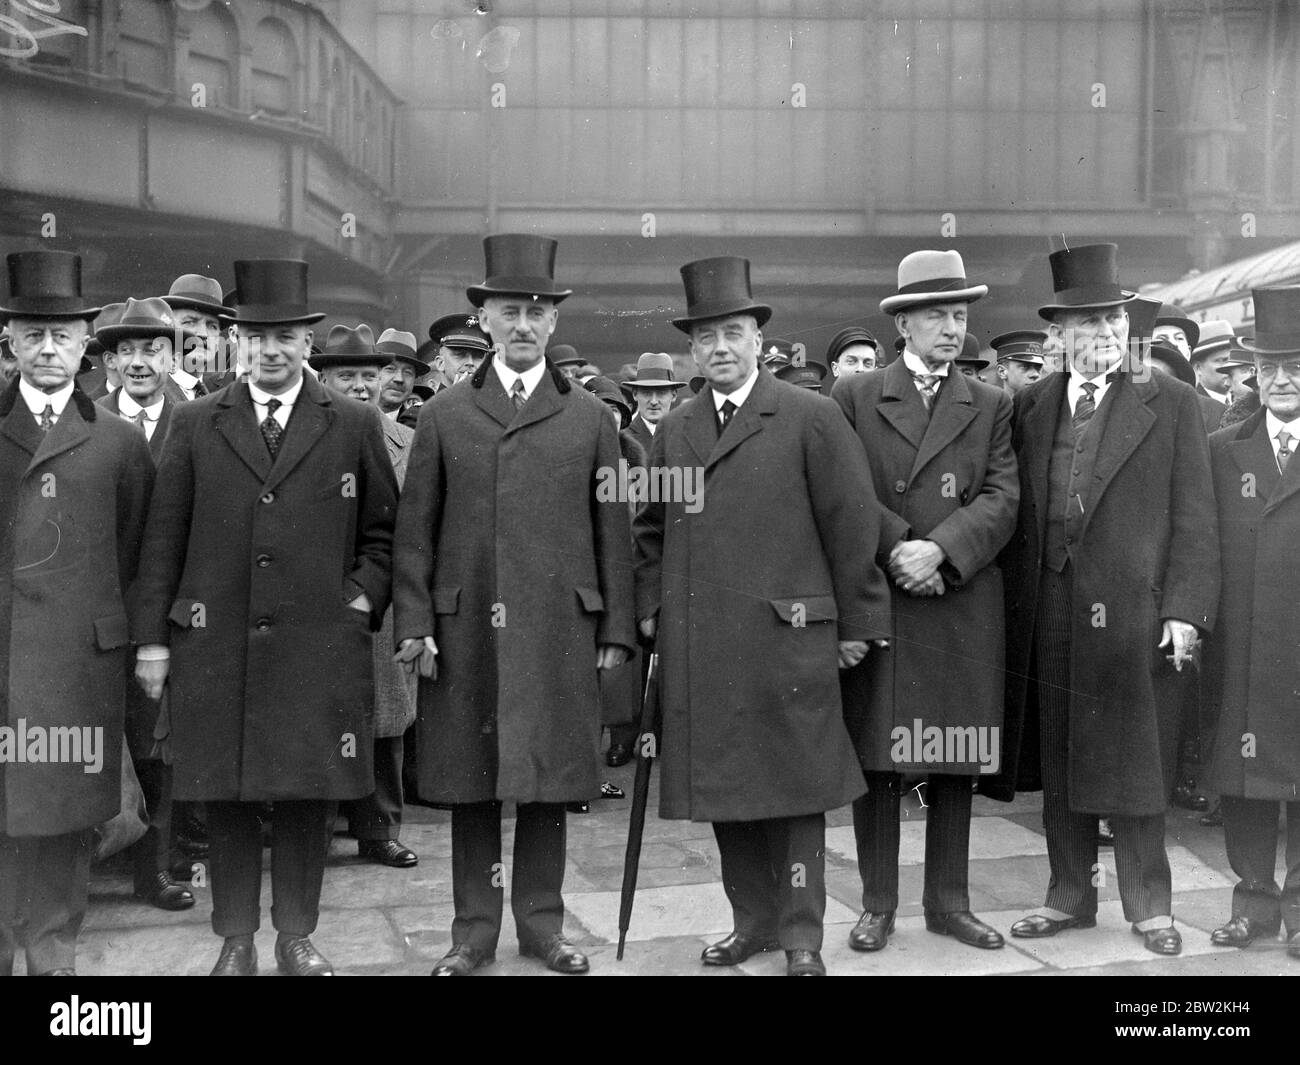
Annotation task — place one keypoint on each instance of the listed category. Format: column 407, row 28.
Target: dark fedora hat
column 565, row 355
column 1083, row 277
column 970, row 352
column 719, row 288
column 1020, row 345
column 399, row 346
column 1277, row 321
column 349, row 347
column 654, row 369
column 1164, row 353
column 1169, row 314
column 45, row 284
column 460, row 331
column 846, row 338
column 271, row 291
column 145, row 319
column 197, row 293
column 518, row 264
column 608, row 392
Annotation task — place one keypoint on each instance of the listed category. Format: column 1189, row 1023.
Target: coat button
column 263, row 624
column 900, row 487
column 263, row 561
column 269, row 497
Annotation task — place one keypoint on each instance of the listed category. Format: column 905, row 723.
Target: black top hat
column 1172, row 315
column 1020, row 345
column 349, row 347
column 1082, row 277
column 565, row 355
column 970, row 352
column 271, row 291
column 719, row 288
column 45, row 284
column 1142, row 315
column 1277, row 321
column 1171, row 358
column 198, row 293
column 460, row 331
column 846, row 338
column 518, row 264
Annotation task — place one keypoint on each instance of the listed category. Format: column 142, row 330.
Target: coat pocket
column 446, row 600
column 804, row 609
column 592, row 601
column 112, row 632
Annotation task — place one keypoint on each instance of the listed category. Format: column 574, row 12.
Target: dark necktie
column 1283, row 450
column 1085, row 408
column 517, row 395
column 271, row 429
column 47, row 418
column 725, row 414
column 929, row 385
column 141, row 419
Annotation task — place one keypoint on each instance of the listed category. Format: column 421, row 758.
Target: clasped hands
column 914, row 566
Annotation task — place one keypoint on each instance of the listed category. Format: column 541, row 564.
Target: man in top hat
column 565, row 358
column 196, row 305
column 269, row 544
column 1256, row 760
column 75, row 488
column 1020, row 358
column 457, row 347
column 852, row 350
column 512, row 586
column 350, row 363
column 398, row 377
column 939, row 447
column 753, row 606
column 1111, row 577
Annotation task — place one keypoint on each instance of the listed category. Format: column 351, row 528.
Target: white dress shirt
column 737, row 397
column 1222, row 397
column 1074, row 390
column 37, row 400
column 186, row 382
column 531, row 377
column 282, row 412
column 916, row 364
column 1276, row 425
column 129, row 408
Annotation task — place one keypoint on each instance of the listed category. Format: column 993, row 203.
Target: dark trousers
column 774, row 874
column 43, row 886
column 947, row 842
column 1250, row 832
column 151, row 853
column 379, row 815
column 1145, row 882
column 537, row 874
column 298, row 845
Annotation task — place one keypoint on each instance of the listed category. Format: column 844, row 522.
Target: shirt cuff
column 153, row 652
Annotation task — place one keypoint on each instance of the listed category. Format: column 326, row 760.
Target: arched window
column 275, row 62
column 213, row 58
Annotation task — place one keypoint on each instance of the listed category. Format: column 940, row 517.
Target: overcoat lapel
column 953, row 411
column 901, row 404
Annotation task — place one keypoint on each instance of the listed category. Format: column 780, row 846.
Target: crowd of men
column 276, row 581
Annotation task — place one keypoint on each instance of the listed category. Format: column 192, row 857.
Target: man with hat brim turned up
column 350, row 363
column 1020, row 358
column 512, row 587
column 269, row 546
column 1112, row 570
column 939, row 447
column 852, row 350
column 205, row 365
column 750, row 632
column 75, row 488
column 1256, row 652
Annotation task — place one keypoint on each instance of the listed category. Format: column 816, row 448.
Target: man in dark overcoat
column 512, row 586
column 939, row 447
column 1256, row 763
column 269, row 546
column 756, row 576
column 74, row 490
column 1113, row 569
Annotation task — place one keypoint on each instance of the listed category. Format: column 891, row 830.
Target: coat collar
column 702, row 419
column 72, row 428
column 1128, row 420
column 929, row 433
column 1252, row 451
column 236, row 420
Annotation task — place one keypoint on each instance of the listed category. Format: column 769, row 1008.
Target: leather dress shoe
column 1105, row 834
column 1186, row 796
column 59, row 972
column 872, row 931
column 617, row 755
column 387, row 852
column 736, row 948
column 1293, row 945
column 164, row 893
column 236, row 959
column 804, row 963
column 295, row 956
column 462, row 960
column 1036, row 926
column 1240, row 932
column 560, row 955
column 1161, row 940
column 1214, row 819
column 966, row 927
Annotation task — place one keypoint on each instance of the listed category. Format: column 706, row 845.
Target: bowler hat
column 1217, row 335
column 1020, row 345
column 1277, row 321
column 271, row 292
column 1169, row 314
column 460, row 331
column 1083, row 277
column 518, row 264
column 719, row 288
column 1167, row 355
column 348, row 347
column 970, row 352
column 198, row 293
column 565, row 355
column 45, row 284
column 846, row 338
column 142, row 318
column 929, row 277
column 654, row 369
column 607, row 391
column 399, row 346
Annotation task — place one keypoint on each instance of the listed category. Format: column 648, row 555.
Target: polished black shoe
column 560, row 955
column 1105, row 834
column 736, row 948
column 1188, row 797
column 966, row 927
column 1161, row 940
column 1240, row 932
column 462, row 960
column 1036, row 926
column 388, row 852
column 295, row 956
column 617, row 755
column 164, row 893
column 1214, row 819
column 804, row 963
column 236, row 959
column 1293, row 946
column 872, row 931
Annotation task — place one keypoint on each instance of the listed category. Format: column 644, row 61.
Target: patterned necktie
column 47, row 418
column 517, row 394
column 271, row 429
column 1283, row 450
column 929, row 385
column 725, row 414
column 1085, row 408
